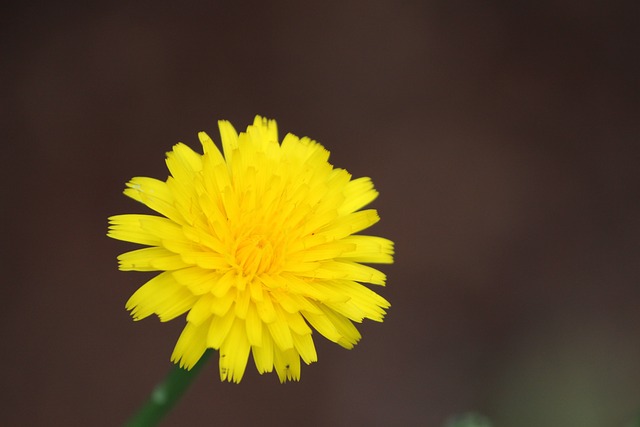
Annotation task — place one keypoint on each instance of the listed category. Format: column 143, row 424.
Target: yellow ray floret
column 257, row 244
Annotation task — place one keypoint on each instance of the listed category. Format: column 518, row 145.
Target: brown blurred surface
column 503, row 138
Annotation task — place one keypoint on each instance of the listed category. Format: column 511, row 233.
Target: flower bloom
column 258, row 246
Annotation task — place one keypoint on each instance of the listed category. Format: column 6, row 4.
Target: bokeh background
column 503, row 137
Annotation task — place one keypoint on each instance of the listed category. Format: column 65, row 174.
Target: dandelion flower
column 258, row 246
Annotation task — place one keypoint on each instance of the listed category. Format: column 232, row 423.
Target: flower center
column 254, row 255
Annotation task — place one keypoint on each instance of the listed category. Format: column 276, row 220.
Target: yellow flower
column 256, row 246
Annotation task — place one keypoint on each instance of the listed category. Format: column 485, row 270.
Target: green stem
column 166, row 395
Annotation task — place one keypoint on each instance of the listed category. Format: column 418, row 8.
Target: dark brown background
column 503, row 137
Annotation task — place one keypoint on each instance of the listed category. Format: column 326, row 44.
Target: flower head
column 258, row 246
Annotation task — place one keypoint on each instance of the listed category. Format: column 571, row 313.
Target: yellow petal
column 156, row 195
column 201, row 310
column 346, row 270
column 234, row 353
column 263, row 354
column 350, row 224
column 358, row 193
column 190, row 346
column 161, row 295
column 183, row 163
column 199, row 281
column 150, row 259
column 368, row 249
column 229, row 138
column 305, row 347
column 287, row 364
column 220, row 306
column 280, row 331
column 254, row 326
column 219, row 329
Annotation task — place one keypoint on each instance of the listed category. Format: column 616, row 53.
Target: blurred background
column 503, row 137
